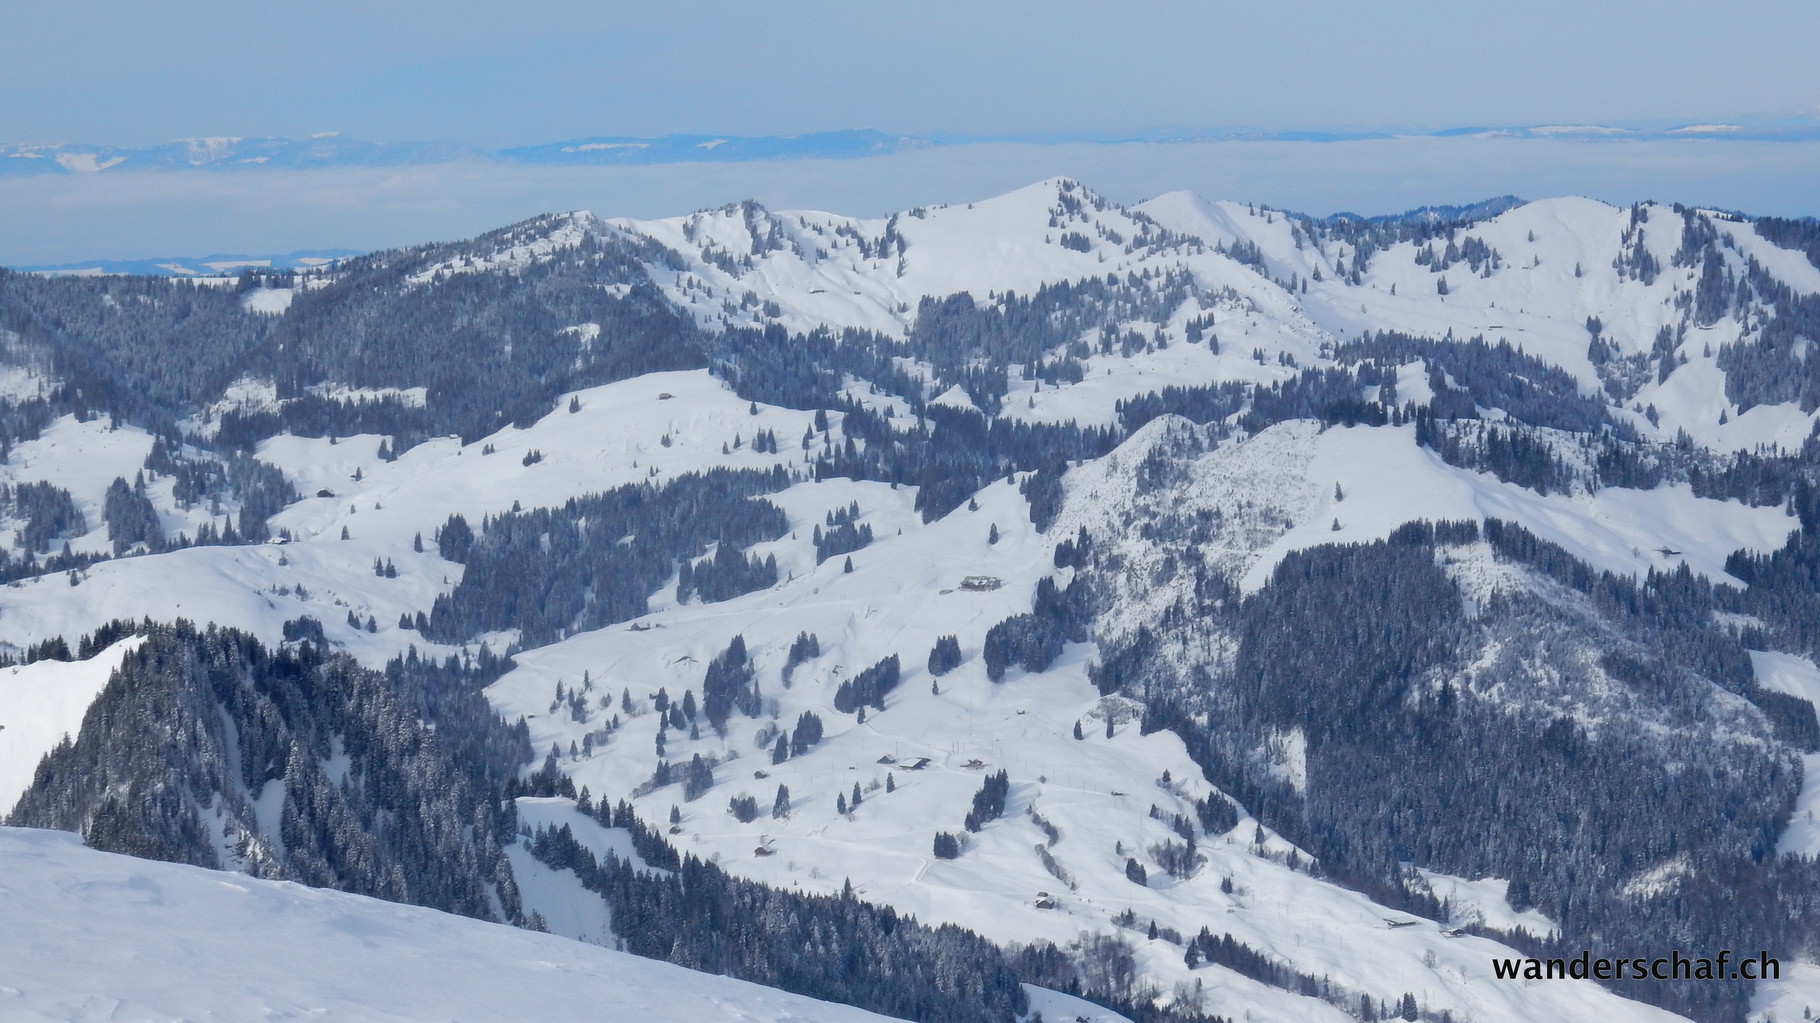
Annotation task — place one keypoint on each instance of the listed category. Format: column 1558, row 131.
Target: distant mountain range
column 335, row 150
column 332, row 149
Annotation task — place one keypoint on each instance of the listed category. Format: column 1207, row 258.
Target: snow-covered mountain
column 1217, row 610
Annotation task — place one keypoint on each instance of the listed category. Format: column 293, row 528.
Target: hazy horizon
column 60, row 219
column 118, row 74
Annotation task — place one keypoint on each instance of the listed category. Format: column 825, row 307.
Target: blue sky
column 497, row 75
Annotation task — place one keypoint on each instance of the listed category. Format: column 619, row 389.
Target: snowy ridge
column 744, row 265
column 821, row 269
column 535, row 241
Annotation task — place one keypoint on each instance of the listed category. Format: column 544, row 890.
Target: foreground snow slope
column 157, row 941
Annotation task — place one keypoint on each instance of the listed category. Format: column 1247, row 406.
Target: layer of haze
column 62, row 219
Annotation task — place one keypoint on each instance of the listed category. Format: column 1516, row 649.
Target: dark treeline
column 805, row 371
column 1801, row 235
column 131, row 519
column 1552, row 461
column 1489, row 376
column 1776, row 365
column 215, row 478
column 957, row 332
column 1033, row 641
column 450, row 695
column 1369, row 235
column 730, row 683
column 1330, row 395
column 844, row 535
column 1483, row 375
column 951, row 453
column 835, row 948
column 46, row 513
column 869, row 687
column 550, row 571
column 140, row 348
column 989, row 801
column 312, row 415
column 727, row 574
column 1209, row 404
column 1784, row 585
column 1514, row 454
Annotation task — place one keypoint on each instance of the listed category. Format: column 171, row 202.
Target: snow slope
column 1387, row 480
column 821, row 269
column 1296, row 485
column 82, row 458
column 1796, row 676
column 616, row 438
column 159, row 941
column 1097, row 792
column 42, row 703
column 1556, row 274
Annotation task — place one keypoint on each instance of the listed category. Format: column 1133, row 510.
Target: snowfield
column 1097, row 791
column 615, row 439
column 1387, row 480
column 159, row 941
column 40, row 705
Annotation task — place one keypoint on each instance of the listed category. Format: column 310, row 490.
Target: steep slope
column 288, row 765
column 42, row 704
